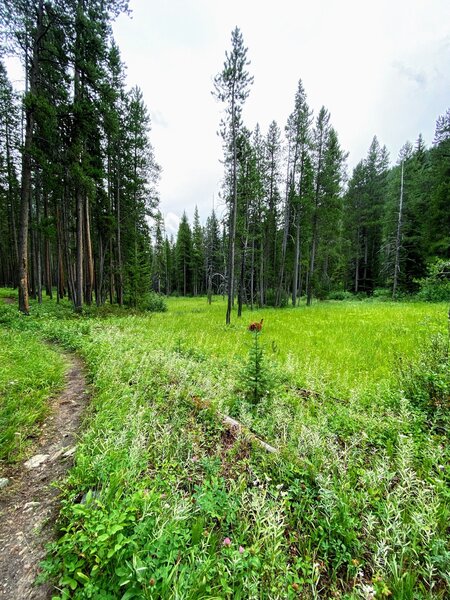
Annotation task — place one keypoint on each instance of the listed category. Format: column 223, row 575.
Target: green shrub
column 340, row 295
column 426, row 383
column 434, row 291
column 154, row 302
column 436, row 287
column 382, row 293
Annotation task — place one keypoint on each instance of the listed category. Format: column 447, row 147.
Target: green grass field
column 164, row 502
column 29, row 373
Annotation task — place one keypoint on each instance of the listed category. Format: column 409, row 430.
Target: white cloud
column 171, row 222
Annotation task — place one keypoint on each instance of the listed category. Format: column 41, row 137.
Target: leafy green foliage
column 340, row 295
column 436, row 287
column 164, row 501
column 427, row 381
column 153, row 302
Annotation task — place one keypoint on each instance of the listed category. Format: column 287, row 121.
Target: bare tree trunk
column 312, row 259
column 300, row 273
column 252, row 274
column 119, row 247
column 32, row 251
column 89, row 256
column 38, row 253
column 285, row 238
column 78, row 300
column 12, row 216
column 261, row 275
column 24, row 306
column 233, row 218
column 241, row 282
column 99, row 296
column 357, row 263
column 25, row 195
column 398, row 239
column 296, row 257
column 111, row 271
column 366, row 256
column 60, row 270
column 47, row 257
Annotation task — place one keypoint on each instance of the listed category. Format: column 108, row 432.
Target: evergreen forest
column 79, row 199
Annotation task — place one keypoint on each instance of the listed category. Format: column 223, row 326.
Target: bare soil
column 29, row 503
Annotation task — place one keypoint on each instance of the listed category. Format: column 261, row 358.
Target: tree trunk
column 285, row 238
column 47, row 254
column 78, row 300
column 252, row 275
column 398, row 239
column 312, row 259
column 119, row 248
column 12, row 216
column 38, row 253
column 25, row 194
column 233, row 217
column 296, row 257
column 241, row 282
column 357, row 263
column 261, row 275
column 89, row 256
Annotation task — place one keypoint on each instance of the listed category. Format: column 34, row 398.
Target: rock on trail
column 28, row 501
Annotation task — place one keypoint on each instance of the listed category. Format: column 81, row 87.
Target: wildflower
column 194, row 459
column 226, row 542
column 256, row 326
column 241, row 550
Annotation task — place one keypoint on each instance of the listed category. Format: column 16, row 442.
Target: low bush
column 436, row 287
column 153, row 302
column 340, row 295
column 426, row 382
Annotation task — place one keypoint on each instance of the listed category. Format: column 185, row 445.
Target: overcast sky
column 380, row 67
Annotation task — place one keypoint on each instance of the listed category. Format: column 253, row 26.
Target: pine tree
column 9, row 184
column 198, row 259
column 159, row 266
column 272, row 197
column 183, row 257
column 231, row 86
column 213, row 256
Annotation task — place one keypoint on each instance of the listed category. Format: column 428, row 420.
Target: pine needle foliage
column 256, row 380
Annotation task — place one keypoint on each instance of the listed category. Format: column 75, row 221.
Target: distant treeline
column 79, row 208
column 294, row 225
column 360, row 233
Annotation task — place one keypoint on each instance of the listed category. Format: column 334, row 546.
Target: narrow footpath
column 29, row 501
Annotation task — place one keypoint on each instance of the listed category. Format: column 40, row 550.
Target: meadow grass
column 29, row 373
column 165, row 502
column 340, row 346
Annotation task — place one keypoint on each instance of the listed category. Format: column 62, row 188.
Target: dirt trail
column 28, row 504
